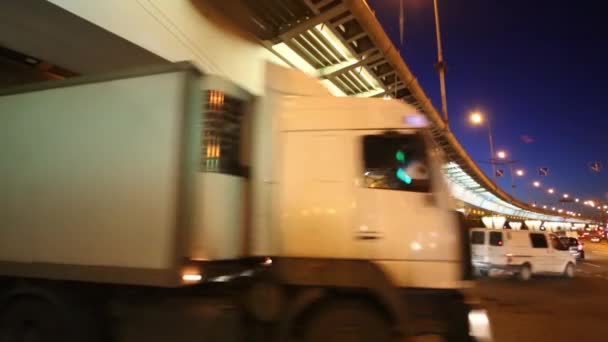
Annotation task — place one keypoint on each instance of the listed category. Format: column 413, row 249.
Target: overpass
column 339, row 41
column 342, row 43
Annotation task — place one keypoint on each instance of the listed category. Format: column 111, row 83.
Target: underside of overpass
column 342, row 43
column 40, row 41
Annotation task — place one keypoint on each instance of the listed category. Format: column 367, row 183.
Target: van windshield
column 396, row 161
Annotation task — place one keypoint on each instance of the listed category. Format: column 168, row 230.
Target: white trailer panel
column 90, row 175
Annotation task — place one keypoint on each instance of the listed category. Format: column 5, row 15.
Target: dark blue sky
column 538, row 68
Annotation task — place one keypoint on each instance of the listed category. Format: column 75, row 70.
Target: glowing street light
column 519, row 172
column 501, row 154
column 566, row 195
column 551, row 190
column 544, row 207
column 536, row 184
column 476, row 118
column 576, row 200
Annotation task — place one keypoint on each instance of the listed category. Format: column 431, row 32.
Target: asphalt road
column 551, row 309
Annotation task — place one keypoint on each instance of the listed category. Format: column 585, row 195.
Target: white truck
column 322, row 211
column 141, row 201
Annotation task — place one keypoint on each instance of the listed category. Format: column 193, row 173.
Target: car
column 576, row 247
column 520, row 253
column 595, row 239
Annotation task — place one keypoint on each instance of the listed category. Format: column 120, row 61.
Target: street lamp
column 566, row 195
column 440, row 65
column 477, row 118
column 576, row 200
column 550, row 190
column 536, row 184
column 519, row 172
column 501, row 154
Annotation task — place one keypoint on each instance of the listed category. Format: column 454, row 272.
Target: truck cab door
column 409, row 230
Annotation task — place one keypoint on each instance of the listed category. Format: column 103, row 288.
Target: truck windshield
column 396, row 161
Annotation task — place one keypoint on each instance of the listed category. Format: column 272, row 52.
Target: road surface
column 551, row 309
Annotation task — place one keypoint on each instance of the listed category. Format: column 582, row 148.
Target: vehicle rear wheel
column 569, row 271
column 347, row 320
column 525, row 273
column 480, row 273
column 31, row 319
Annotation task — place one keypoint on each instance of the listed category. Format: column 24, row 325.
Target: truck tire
column 33, row 318
column 265, row 300
column 347, row 320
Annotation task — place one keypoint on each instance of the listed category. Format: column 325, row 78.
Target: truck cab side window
column 396, row 162
column 221, row 133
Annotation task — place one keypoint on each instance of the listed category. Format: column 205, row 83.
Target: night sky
column 537, row 68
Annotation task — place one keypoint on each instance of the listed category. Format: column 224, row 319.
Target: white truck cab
column 520, row 252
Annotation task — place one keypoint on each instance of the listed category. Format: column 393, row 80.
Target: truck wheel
column 569, row 271
column 525, row 273
column 347, row 320
column 31, row 318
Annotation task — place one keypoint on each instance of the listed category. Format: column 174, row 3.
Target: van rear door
column 479, row 248
column 540, row 253
column 496, row 250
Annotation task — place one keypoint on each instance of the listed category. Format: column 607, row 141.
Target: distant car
column 595, row 239
column 576, row 247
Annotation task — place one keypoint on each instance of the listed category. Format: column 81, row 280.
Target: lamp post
column 477, row 118
column 502, row 155
column 441, row 65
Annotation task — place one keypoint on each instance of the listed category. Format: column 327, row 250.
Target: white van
column 520, row 252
